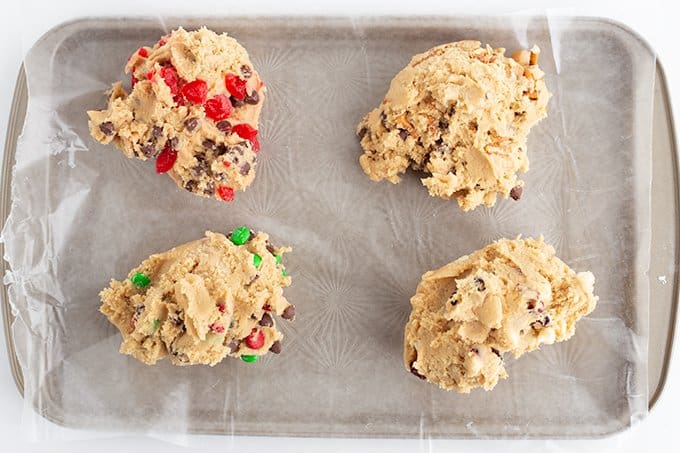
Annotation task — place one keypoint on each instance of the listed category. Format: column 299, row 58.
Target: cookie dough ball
column 194, row 107
column 511, row 296
column 203, row 301
column 460, row 113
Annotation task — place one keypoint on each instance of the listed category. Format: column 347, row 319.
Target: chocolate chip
column 289, row 312
column 453, row 170
column 233, row 345
column 209, row 188
column 415, row 372
column 474, row 351
column 454, row 302
column 481, row 286
column 224, row 126
column 235, row 102
column 531, row 304
column 191, row 185
column 252, row 98
column 106, row 128
column 149, row 150
column 270, row 248
column 266, row 320
column 495, row 351
column 191, row 124
column 174, row 141
column 246, row 72
column 403, row 134
column 156, row 132
column 245, row 169
column 221, row 150
column 443, row 124
column 362, row 132
column 276, row 347
column 208, row 144
column 516, row 193
column 546, row 321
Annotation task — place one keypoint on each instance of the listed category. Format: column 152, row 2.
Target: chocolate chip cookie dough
column 460, row 113
column 203, row 301
column 194, row 105
column 511, row 296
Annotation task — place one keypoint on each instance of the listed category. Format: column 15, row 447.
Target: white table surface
column 22, row 21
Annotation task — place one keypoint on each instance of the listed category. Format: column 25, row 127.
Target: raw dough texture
column 182, row 112
column 510, row 296
column 460, row 113
column 202, row 301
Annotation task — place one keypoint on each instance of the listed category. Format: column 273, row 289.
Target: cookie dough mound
column 203, row 301
column 460, row 113
column 510, row 296
column 194, row 107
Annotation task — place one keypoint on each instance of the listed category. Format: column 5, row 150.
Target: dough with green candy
column 511, row 296
column 460, row 113
column 203, row 301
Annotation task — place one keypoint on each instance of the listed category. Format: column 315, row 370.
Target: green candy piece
column 156, row 322
column 257, row 260
column 249, row 358
column 140, row 280
column 284, row 273
column 278, row 259
column 240, row 235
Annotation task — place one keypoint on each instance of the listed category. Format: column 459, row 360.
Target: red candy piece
column 225, row 193
column 235, row 86
column 195, row 91
column 150, row 74
column 216, row 328
column 171, row 78
column 218, row 108
column 221, row 308
column 143, row 52
column 266, row 307
column 162, row 41
column 227, row 163
column 255, row 340
column 133, row 81
column 256, row 144
column 166, row 159
column 245, row 131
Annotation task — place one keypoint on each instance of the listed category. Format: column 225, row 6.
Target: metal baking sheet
column 360, row 248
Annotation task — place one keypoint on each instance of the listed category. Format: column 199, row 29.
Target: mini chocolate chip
column 174, row 141
column 106, row 128
column 209, row 188
column 383, row 120
column 453, row 170
column 191, row 124
column 443, row 124
column 266, row 320
column 289, row 312
column 546, row 320
column 481, row 286
column 245, row 169
column 156, row 131
column 149, row 150
column 191, row 185
column 531, row 304
column 516, row 193
column 270, row 247
column 403, row 134
column 235, row 102
column 495, row 351
column 246, row 72
column 224, row 126
column 221, row 150
column 474, row 351
column 233, row 345
column 454, row 302
column 276, row 347
column 362, row 132
column 252, row 98
column 208, row 144
column 415, row 372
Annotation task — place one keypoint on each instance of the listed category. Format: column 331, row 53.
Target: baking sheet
column 82, row 213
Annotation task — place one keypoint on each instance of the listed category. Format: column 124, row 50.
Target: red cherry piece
column 166, row 159
column 235, row 86
column 218, row 108
column 150, row 74
column 133, row 81
column 195, row 91
column 256, row 144
column 162, row 41
column 255, row 340
column 245, row 131
column 221, row 308
column 225, row 193
column 216, row 328
column 143, row 52
column 171, row 78
column 227, row 163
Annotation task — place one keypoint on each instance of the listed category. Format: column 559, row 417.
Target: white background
column 24, row 21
